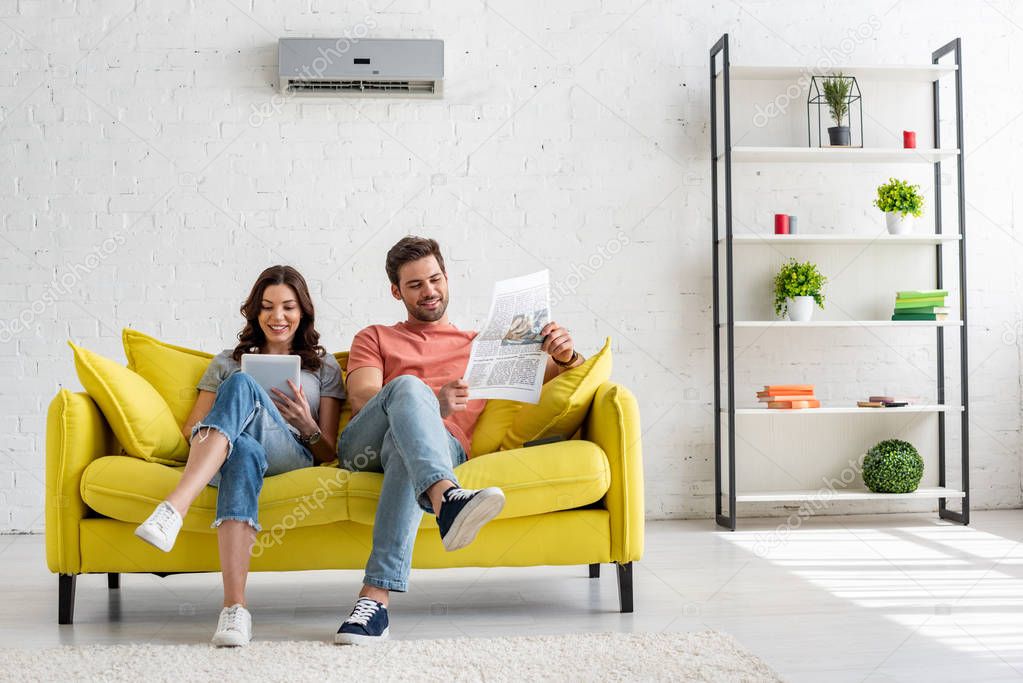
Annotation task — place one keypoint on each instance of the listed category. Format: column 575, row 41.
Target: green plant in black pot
column 836, row 94
column 893, row 466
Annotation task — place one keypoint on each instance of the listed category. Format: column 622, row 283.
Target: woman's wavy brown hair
column 306, row 342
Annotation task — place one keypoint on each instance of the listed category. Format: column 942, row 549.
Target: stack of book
column 882, row 402
column 920, row 305
column 788, row 396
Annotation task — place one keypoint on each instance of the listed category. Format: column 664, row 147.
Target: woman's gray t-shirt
column 324, row 382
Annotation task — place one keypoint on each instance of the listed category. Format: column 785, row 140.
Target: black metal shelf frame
column 726, row 517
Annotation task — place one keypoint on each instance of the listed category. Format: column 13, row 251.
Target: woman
column 239, row 434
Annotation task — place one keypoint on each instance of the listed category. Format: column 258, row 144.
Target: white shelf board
column 842, row 155
column 836, row 495
column 847, row 323
column 843, row 410
column 880, row 238
column 924, row 73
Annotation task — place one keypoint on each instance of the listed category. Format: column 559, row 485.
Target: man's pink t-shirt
column 436, row 354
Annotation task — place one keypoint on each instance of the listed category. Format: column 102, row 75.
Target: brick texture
column 150, row 171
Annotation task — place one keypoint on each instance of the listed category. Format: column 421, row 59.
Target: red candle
column 909, row 139
column 781, row 224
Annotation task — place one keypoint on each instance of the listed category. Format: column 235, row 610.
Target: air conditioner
column 351, row 67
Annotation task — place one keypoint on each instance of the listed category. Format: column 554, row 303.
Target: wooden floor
column 856, row 598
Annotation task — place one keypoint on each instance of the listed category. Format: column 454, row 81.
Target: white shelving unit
column 836, row 495
column 782, row 324
column 923, row 73
column 844, row 155
column 725, row 324
column 881, row 239
column 846, row 410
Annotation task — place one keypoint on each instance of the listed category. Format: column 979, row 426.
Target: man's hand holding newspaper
column 509, row 355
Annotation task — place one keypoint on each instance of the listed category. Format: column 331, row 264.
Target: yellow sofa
column 578, row 501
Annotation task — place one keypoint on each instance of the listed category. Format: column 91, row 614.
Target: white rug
column 706, row 656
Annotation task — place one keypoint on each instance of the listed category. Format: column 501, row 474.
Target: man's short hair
column 409, row 249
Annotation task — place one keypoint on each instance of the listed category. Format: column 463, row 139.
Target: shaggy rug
column 705, row 656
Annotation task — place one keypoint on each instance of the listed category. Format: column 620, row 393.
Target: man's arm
column 363, row 384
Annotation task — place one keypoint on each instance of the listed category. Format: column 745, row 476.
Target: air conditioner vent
column 359, row 85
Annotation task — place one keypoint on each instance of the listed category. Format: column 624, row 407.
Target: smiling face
column 279, row 315
column 423, row 288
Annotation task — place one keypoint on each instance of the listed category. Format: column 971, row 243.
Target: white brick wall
column 562, row 127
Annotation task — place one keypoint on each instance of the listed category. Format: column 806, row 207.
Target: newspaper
column 506, row 360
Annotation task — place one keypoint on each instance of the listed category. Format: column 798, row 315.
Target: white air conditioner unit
column 350, row 67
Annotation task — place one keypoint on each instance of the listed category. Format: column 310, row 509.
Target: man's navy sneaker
column 366, row 624
column 464, row 512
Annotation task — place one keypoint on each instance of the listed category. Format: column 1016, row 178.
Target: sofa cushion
column 174, row 371
column 535, row 480
column 127, row 489
column 564, row 402
column 492, row 424
column 139, row 417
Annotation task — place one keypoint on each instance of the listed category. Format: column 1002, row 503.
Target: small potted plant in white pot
column 901, row 203
column 797, row 287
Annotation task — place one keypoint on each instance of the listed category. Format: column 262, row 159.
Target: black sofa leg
column 625, row 586
column 66, row 598
column 113, row 580
column 594, row 571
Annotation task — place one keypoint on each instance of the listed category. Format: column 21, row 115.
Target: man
column 413, row 421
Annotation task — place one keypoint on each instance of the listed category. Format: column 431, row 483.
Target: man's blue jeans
column 260, row 444
column 399, row 432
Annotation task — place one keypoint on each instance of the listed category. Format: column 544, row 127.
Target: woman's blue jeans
column 399, row 432
column 260, row 444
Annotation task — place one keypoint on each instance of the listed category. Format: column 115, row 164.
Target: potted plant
column 836, row 94
column 901, row 203
column 893, row 466
column 797, row 286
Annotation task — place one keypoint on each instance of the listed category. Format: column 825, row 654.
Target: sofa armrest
column 613, row 424
column 76, row 434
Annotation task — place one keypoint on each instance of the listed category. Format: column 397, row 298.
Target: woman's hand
column 296, row 410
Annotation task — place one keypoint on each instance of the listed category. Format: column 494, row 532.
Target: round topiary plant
column 893, row 466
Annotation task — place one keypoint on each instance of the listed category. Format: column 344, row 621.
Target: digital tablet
column 272, row 371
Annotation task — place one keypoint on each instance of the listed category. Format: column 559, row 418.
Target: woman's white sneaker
column 162, row 527
column 234, row 628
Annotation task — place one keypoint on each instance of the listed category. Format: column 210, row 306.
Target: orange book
column 786, row 405
column 785, row 392
column 788, row 387
column 792, row 397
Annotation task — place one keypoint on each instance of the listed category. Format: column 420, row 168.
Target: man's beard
column 426, row 315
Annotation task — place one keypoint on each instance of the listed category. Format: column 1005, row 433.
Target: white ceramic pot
column 898, row 224
column 801, row 308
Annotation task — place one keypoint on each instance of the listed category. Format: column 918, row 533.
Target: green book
column 920, row 316
column 921, row 293
column 919, row 303
column 923, row 309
